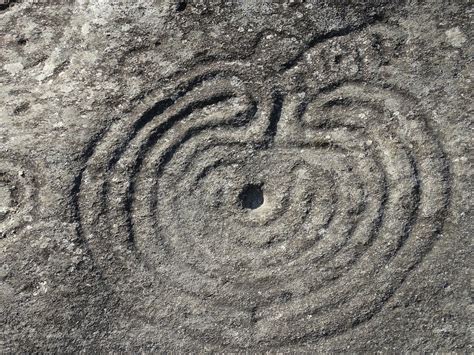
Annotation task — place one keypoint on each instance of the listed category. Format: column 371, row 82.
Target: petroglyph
column 285, row 213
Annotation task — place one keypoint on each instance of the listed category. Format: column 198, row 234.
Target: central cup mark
column 251, row 197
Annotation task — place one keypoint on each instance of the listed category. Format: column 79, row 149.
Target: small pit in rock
column 251, row 196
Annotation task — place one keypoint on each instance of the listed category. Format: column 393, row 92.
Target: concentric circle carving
column 239, row 215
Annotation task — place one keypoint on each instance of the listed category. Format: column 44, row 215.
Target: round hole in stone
column 181, row 6
column 251, row 196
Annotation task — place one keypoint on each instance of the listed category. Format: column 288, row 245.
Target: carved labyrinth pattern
column 17, row 197
column 350, row 189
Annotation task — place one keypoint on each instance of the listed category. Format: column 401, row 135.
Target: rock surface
column 229, row 176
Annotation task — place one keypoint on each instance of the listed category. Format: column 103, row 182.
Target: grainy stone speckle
column 235, row 176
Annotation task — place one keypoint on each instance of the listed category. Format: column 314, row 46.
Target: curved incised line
column 167, row 155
